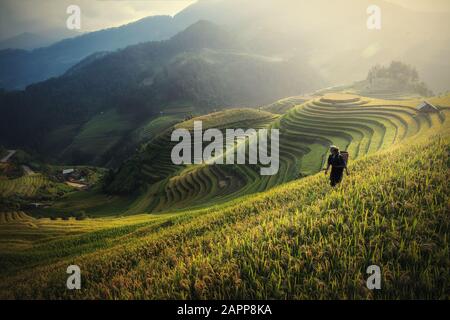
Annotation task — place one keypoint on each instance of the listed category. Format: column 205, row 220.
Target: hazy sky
column 42, row 16
column 424, row 5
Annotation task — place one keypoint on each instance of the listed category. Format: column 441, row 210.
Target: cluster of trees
column 403, row 75
column 396, row 70
column 126, row 180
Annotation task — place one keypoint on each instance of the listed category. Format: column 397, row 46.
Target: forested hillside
column 200, row 69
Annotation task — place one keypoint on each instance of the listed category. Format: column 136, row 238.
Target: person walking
column 338, row 164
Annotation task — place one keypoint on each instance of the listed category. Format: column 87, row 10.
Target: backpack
column 345, row 156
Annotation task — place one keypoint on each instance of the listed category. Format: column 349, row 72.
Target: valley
column 166, row 231
column 361, row 126
column 232, row 150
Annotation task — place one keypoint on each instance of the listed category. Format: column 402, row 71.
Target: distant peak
column 204, row 33
column 201, row 26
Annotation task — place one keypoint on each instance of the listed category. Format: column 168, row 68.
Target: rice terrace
column 95, row 179
column 196, row 237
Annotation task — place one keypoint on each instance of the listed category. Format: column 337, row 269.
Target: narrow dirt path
column 28, row 170
column 9, row 155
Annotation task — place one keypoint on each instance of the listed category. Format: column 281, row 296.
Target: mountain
column 19, row 68
column 332, row 35
column 107, row 96
column 249, row 60
column 25, row 41
column 146, row 228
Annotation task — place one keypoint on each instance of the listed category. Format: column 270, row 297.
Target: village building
column 68, row 171
column 425, row 106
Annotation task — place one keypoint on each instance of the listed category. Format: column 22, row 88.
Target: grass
column 284, row 105
column 224, row 232
column 92, row 202
column 21, row 231
column 231, row 118
column 30, row 186
column 100, row 134
column 301, row 240
column 155, row 126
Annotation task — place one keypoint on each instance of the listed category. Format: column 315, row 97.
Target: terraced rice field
column 156, row 126
column 360, row 125
column 98, row 135
column 284, row 105
column 301, row 240
column 171, row 186
column 25, row 186
column 19, row 230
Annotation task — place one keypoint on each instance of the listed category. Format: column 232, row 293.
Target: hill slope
column 333, row 34
column 200, row 69
column 300, row 240
column 306, row 31
column 20, row 68
column 359, row 125
column 25, row 41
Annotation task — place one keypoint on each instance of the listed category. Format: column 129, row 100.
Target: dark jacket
column 337, row 163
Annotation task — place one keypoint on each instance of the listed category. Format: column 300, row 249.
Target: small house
column 426, row 107
column 68, row 171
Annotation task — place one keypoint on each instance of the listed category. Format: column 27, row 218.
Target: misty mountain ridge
column 25, row 41
column 19, row 68
column 242, row 59
column 331, row 35
column 202, row 68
